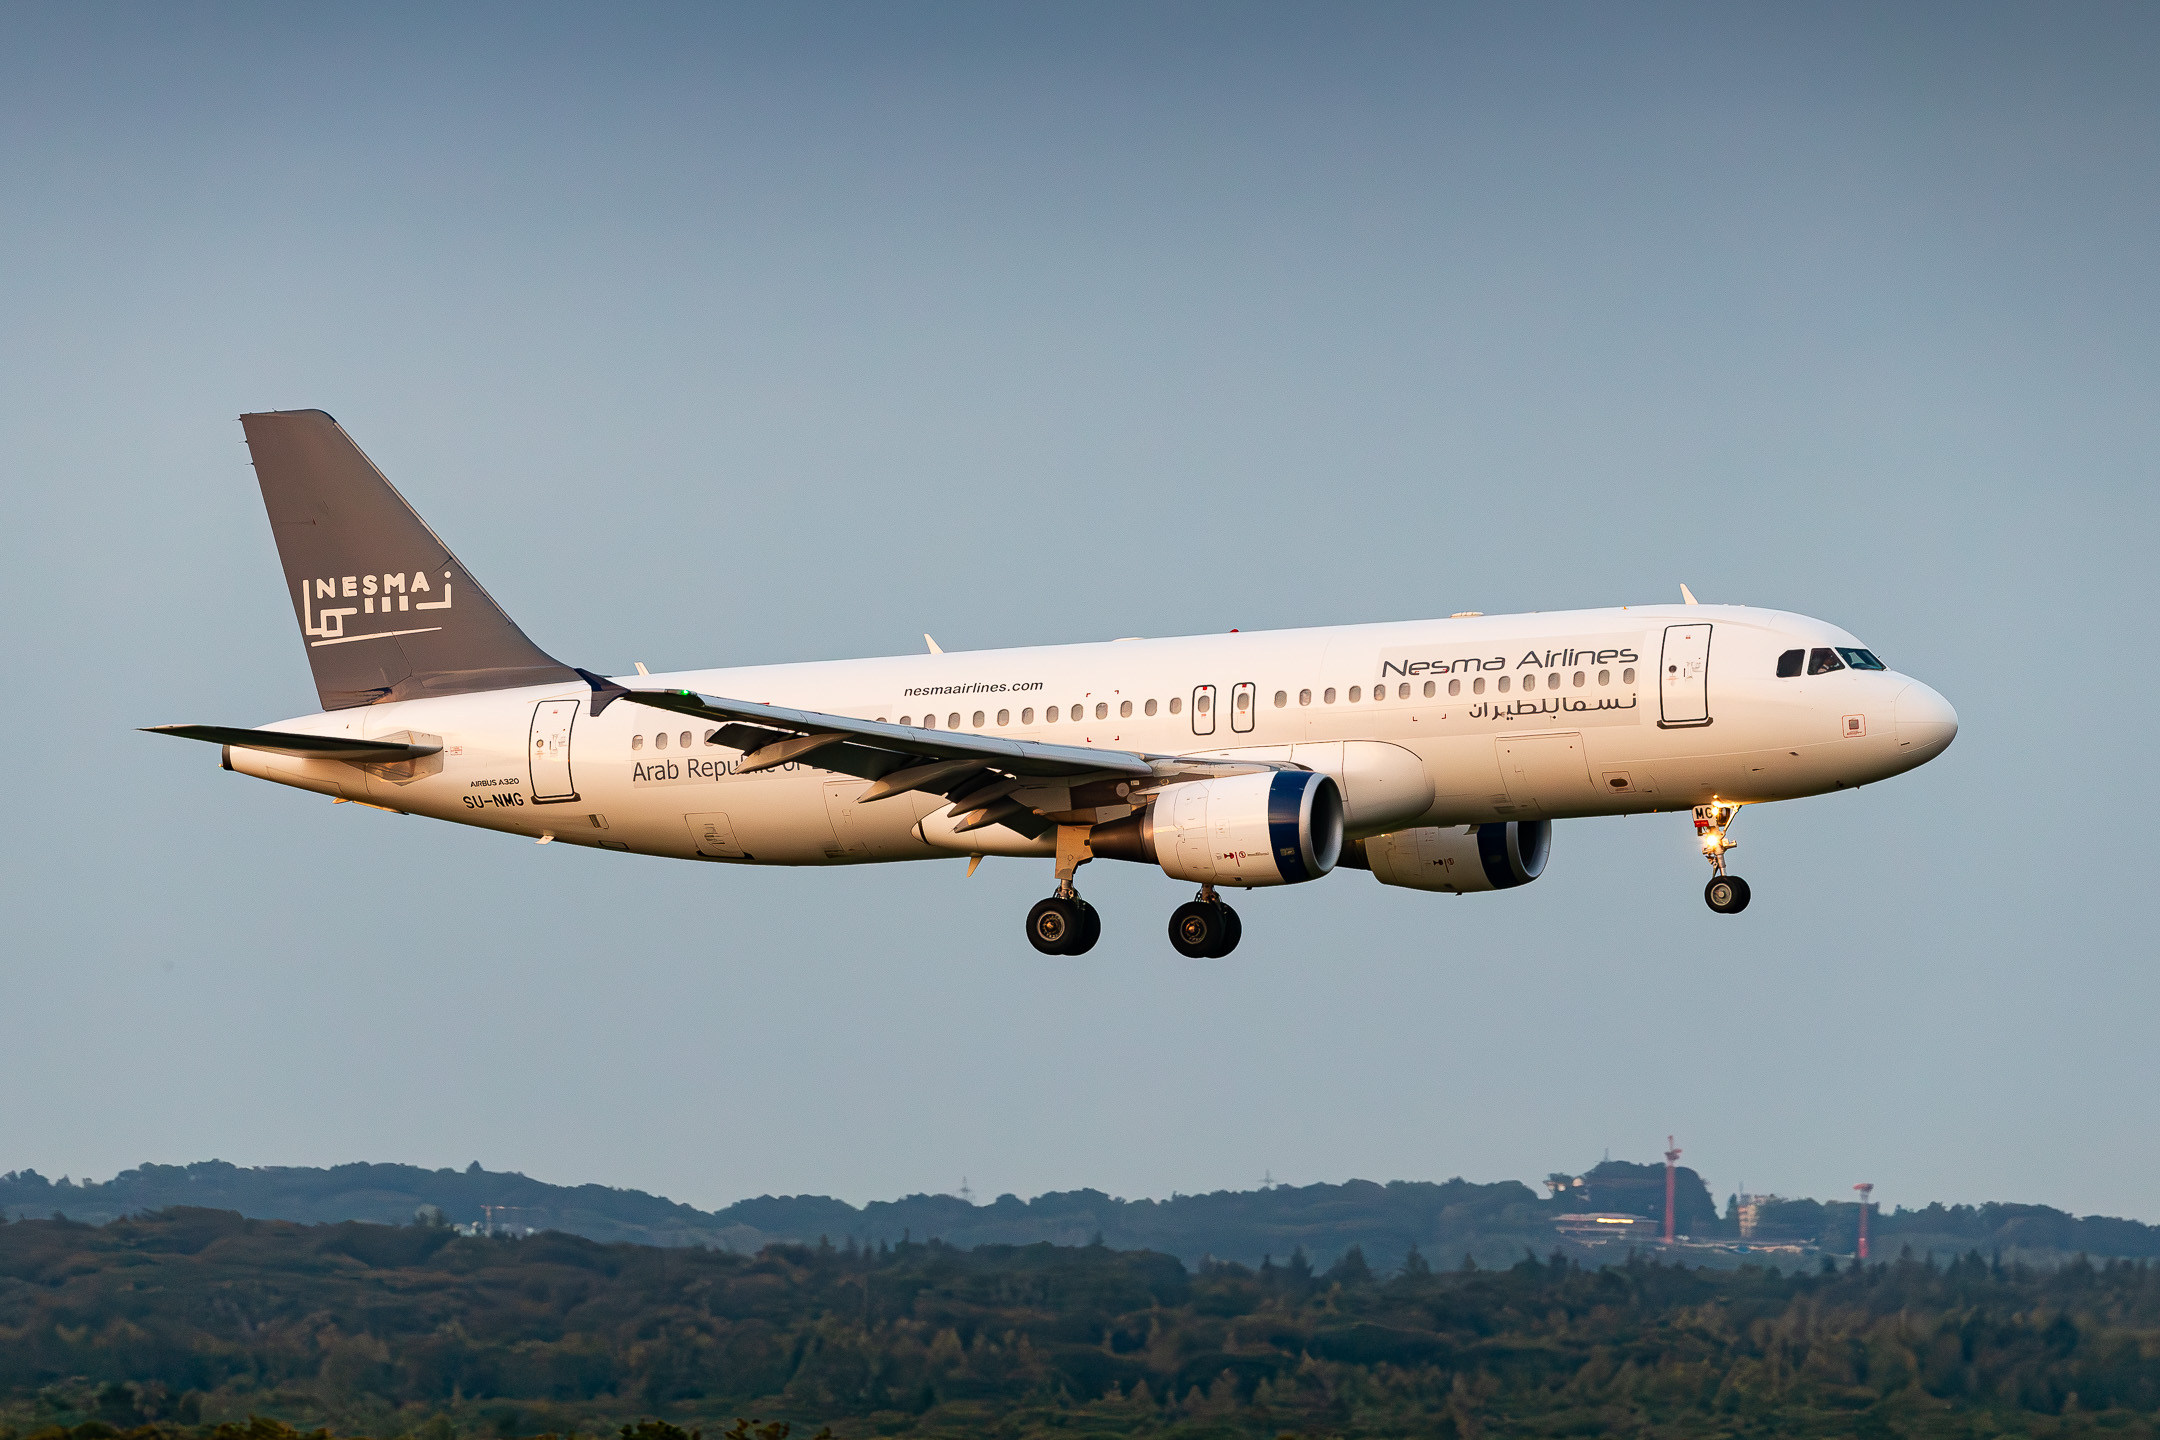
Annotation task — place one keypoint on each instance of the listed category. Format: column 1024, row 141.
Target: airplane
column 1433, row 755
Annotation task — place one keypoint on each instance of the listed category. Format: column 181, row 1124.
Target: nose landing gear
column 1726, row 894
column 1205, row 928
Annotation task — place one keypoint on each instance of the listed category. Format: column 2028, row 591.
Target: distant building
column 1605, row 1225
column 1749, row 1211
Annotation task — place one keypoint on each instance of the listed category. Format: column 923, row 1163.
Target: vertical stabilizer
column 385, row 610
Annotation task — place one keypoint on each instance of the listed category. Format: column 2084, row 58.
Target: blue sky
column 725, row 334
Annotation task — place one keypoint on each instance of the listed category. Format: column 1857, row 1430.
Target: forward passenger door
column 1684, row 677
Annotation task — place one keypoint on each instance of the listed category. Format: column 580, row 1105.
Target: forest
column 181, row 1322
column 1493, row 1221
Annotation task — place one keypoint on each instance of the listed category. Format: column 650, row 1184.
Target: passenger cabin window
column 637, row 742
column 1430, row 686
column 1327, row 696
column 1503, row 684
column 1027, row 716
column 1304, row 697
column 1124, row 709
column 1354, row 691
column 1004, row 717
column 1282, row 698
column 685, row 739
column 1454, row 687
column 1149, row 708
column 1176, row 704
column 1077, row 712
column 660, row 741
column 1627, row 676
column 978, row 719
column 1477, row 686
column 1861, row 659
column 1823, row 661
column 1050, row 714
column 1402, row 691
column 1604, row 677
column 1788, row 664
column 905, row 720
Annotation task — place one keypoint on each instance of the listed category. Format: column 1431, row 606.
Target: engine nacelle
column 1457, row 859
column 1275, row 827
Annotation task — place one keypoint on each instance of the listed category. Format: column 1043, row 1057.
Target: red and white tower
column 1672, row 1158
column 1866, row 1188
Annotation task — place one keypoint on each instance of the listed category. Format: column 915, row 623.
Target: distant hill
column 1494, row 1223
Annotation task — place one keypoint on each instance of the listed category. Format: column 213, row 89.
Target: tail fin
column 419, row 628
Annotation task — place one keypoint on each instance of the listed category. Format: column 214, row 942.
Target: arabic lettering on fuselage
column 1550, row 705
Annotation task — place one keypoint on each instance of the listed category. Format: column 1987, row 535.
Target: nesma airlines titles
column 1432, row 754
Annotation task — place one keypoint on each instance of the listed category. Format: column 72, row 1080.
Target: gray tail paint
column 385, row 610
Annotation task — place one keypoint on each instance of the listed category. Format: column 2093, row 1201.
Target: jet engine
column 1456, row 859
column 1274, row 827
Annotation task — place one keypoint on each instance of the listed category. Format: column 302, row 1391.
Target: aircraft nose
column 1926, row 724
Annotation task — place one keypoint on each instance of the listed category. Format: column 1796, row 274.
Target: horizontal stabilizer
column 300, row 747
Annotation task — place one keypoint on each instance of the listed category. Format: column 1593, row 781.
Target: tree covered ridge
column 1492, row 1221
column 193, row 1317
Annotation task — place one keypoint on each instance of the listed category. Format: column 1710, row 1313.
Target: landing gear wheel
column 1196, row 928
column 1054, row 925
column 1726, row 894
column 1089, row 932
column 1204, row 929
column 1233, row 931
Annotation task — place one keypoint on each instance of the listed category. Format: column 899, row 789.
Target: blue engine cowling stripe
column 1285, row 807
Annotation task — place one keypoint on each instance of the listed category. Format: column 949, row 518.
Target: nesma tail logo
column 391, row 592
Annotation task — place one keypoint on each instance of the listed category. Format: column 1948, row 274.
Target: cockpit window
column 1823, row 661
column 1788, row 664
column 1861, row 659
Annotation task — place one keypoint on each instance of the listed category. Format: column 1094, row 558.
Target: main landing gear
column 1064, row 925
column 1205, row 928
column 1726, row 894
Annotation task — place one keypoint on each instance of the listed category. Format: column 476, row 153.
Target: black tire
column 1089, row 932
column 1196, row 928
column 1726, row 894
column 1233, row 931
column 1053, row 925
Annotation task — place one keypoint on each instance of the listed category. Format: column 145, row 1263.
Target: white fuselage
column 1433, row 722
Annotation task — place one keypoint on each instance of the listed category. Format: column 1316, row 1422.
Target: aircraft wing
column 302, row 747
column 980, row 773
